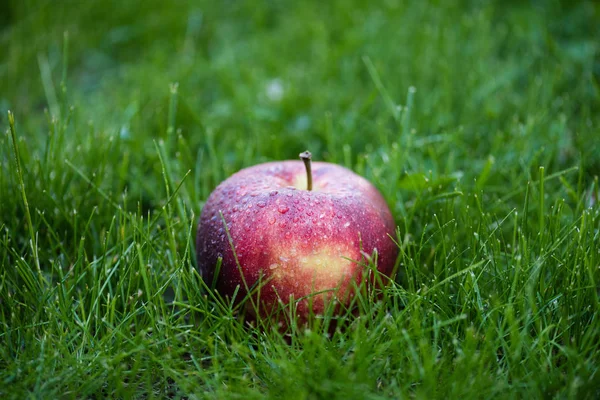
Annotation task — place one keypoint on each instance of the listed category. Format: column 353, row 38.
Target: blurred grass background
column 285, row 76
column 450, row 108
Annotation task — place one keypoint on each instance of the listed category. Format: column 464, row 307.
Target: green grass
column 479, row 122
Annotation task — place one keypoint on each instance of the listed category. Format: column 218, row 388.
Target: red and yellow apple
column 301, row 234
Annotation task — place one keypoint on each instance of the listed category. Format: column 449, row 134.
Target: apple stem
column 306, row 156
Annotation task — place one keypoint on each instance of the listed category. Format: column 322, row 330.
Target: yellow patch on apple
column 324, row 269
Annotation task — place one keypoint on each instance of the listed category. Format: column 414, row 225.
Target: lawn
column 479, row 122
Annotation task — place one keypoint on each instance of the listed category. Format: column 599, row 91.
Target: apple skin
column 293, row 241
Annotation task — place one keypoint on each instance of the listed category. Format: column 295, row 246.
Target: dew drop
column 296, row 219
column 309, row 213
column 273, row 266
column 271, row 220
column 288, row 235
column 274, row 193
column 261, row 204
column 283, row 209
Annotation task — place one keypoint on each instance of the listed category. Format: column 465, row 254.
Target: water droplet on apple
column 309, row 213
column 296, row 219
column 317, row 201
column 282, row 224
column 273, row 266
column 347, row 224
column 283, row 209
column 254, row 194
column 273, row 193
column 271, row 220
column 289, row 194
column 261, row 204
column 296, row 201
column 288, row 235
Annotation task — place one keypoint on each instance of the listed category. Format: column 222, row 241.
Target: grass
column 478, row 121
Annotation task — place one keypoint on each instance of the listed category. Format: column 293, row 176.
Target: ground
column 478, row 121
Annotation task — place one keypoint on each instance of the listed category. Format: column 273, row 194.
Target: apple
column 301, row 232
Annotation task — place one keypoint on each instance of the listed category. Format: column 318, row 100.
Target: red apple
column 296, row 242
